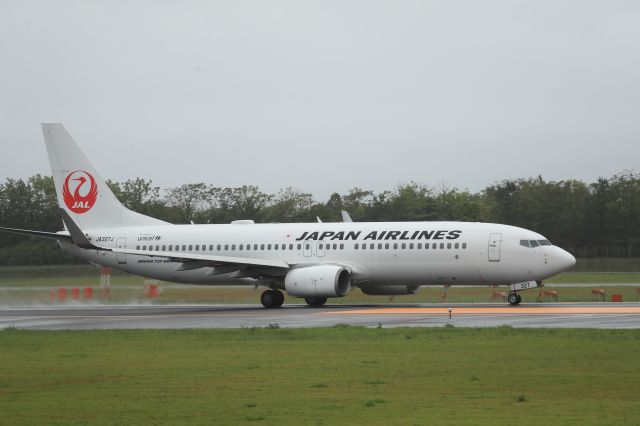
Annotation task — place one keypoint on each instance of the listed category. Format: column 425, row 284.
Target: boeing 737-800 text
column 315, row 261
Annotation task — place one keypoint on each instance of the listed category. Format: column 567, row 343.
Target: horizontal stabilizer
column 77, row 236
column 40, row 234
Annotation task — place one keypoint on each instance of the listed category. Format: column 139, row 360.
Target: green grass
column 595, row 277
column 342, row 375
column 32, row 285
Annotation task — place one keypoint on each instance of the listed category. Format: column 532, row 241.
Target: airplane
column 314, row 261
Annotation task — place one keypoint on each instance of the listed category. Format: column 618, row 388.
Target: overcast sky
column 324, row 95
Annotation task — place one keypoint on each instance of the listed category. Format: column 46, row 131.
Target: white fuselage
column 375, row 252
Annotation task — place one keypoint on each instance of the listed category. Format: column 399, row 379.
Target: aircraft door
column 320, row 248
column 121, row 243
column 495, row 241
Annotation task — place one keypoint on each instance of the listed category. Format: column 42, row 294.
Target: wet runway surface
column 572, row 315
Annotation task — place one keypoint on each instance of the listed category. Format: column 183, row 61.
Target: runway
column 559, row 315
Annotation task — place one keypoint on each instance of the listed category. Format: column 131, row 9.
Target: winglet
column 77, row 236
column 345, row 216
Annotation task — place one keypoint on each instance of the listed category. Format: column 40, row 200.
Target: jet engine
column 318, row 281
column 389, row 290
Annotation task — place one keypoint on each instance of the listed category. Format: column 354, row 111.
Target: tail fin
column 81, row 192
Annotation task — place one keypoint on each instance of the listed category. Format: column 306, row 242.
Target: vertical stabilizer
column 81, row 191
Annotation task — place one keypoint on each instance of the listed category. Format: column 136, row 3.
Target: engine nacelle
column 389, row 290
column 318, row 281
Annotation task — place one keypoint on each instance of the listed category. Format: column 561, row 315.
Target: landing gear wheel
column 272, row 299
column 315, row 302
column 513, row 298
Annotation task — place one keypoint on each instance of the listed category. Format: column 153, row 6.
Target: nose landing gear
column 514, row 298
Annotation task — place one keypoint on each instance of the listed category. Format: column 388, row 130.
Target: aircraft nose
column 563, row 260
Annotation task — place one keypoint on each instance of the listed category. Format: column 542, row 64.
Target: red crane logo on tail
column 84, row 195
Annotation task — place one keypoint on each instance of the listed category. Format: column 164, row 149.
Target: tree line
column 571, row 213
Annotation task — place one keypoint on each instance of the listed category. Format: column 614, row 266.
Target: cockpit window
column 534, row 243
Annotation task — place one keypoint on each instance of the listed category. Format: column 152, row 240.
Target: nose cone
column 562, row 260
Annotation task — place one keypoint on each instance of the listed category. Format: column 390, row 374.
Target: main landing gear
column 315, row 302
column 272, row 299
column 514, row 298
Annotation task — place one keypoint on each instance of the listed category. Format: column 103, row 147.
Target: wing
column 205, row 260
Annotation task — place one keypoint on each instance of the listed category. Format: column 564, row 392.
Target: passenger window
column 341, row 246
column 241, row 247
column 456, row 245
column 320, row 246
column 449, row 245
column 197, row 247
column 255, row 247
column 380, row 246
column 464, row 245
column 275, row 247
column 386, row 246
column 170, row 248
column 137, row 247
column 226, row 247
column 268, row 246
column 404, row 246
column 261, row 246
column 442, row 245
column 355, row 246
column 290, row 246
column 434, row 246
column 372, row 246
column 144, row 247
column 364, row 246
column 395, row 246
column 335, row 246
column 419, row 246
column 164, row 248
column 307, row 246
column 233, row 247
column 190, row 247
column 410, row 246
column 299, row 246
column 210, row 247
column 184, row 247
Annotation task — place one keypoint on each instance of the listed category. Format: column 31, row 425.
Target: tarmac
column 538, row 315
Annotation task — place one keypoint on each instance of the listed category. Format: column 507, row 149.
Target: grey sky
column 324, row 95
